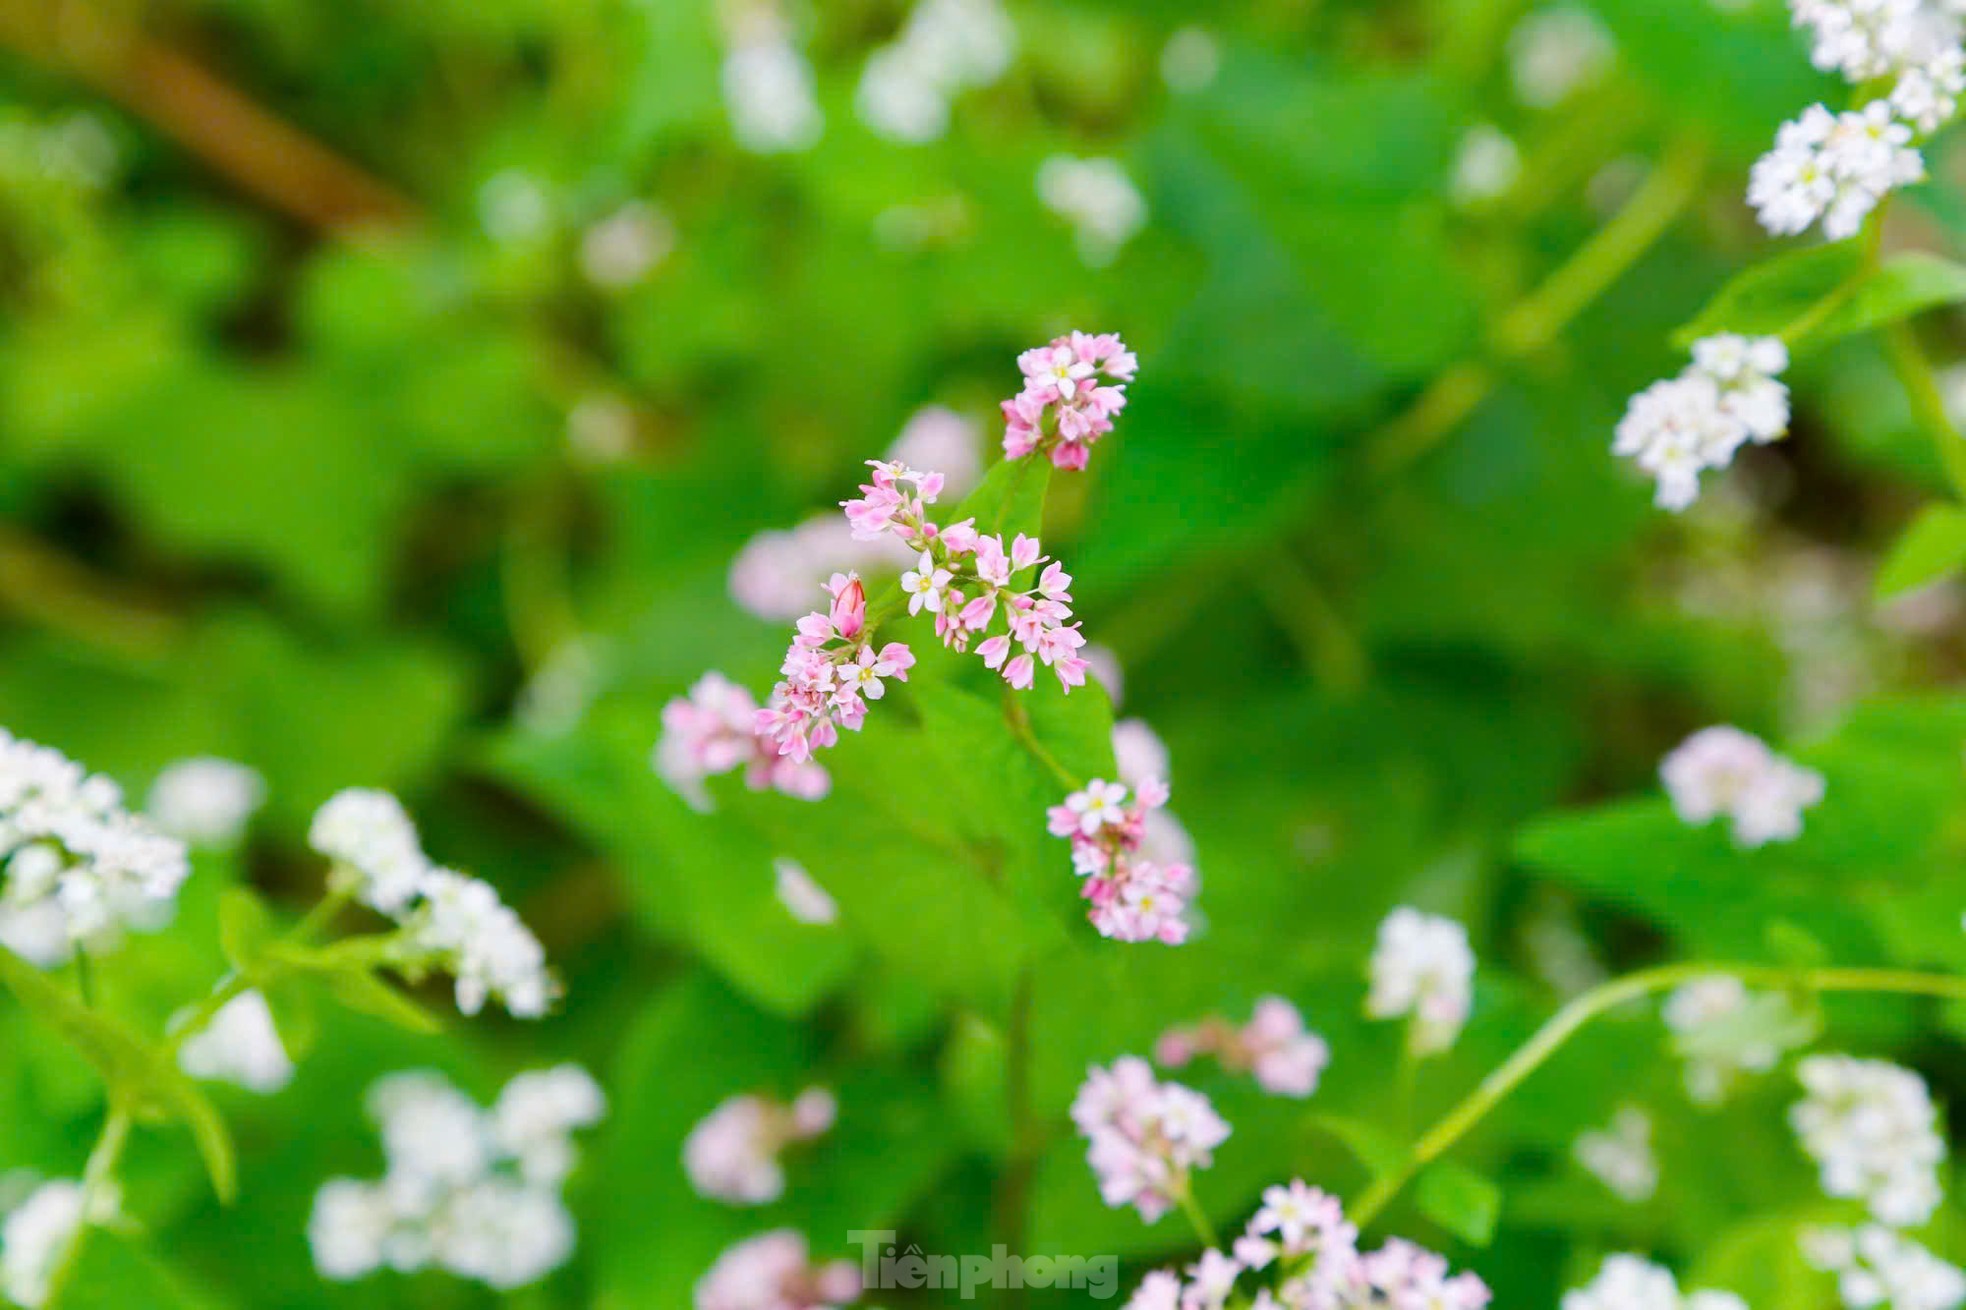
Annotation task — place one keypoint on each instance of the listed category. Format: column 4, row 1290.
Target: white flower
column 1098, row 199
column 1675, row 429
column 33, row 1238
column 1927, row 95
column 1877, row 1267
column 1724, row 771
column 621, row 249
column 205, row 802
column 925, row 585
column 75, row 867
column 1554, row 53
column 803, row 898
column 463, row 926
column 1871, row 1127
column 1423, row 968
column 1621, row 1156
column 945, row 48
column 514, row 207
column 1745, row 370
column 1486, row 165
column 601, row 428
column 768, row 88
column 370, row 834
column 239, row 1045
column 1190, row 60
column 1865, row 39
column 471, row 1192
column 1630, row 1282
column 1835, row 167
column 1101, row 804
column 1724, row 1032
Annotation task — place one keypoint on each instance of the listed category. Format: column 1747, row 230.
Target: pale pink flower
column 733, row 1154
column 711, row 732
column 1133, row 897
column 1073, row 388
column 775, row 1271
column 1274, row 1046
column 1144, row 1136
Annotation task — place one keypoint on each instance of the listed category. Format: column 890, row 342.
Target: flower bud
column 850, row 610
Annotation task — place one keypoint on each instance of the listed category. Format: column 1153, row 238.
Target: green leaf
column 1009, row 500
column 245, row 928
column 1931, row 549
column 1378, row 1150
column 1460, row 1200
column 1904, row 285
column 360, row 990
column 1769, row 297
column 135, row 1071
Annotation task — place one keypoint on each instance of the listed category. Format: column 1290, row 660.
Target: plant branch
column 1566, row 1023
column 98, row 1176
column 1928, row 403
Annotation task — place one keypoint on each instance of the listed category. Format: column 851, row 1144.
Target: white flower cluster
column 733, row 1154
column 36, row 1233
column 1877, row 1267
column 1730, row 395
column 470, row 1191
column 1630, row 1282
column 1871, row 1127
column 76, row 869
column 1098, row 199
column 1724, row 1032
column 1423, row 968
column 768, row 85
column 449, row 921
column 945, row 48
column 1836, row 167
column 1621, row 1156
column 239, row 1045
column 205, row 803
column 1724, row 771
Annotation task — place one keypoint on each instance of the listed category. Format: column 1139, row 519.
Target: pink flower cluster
column 1134, row 898
column 966, row 579
column 1072, row 389
column 712, row 731
column 1144, row 1136
column 1285, row 1058
column 1303, row 1233
column 830, row 673
column 733, row 1154
column 775, row 1271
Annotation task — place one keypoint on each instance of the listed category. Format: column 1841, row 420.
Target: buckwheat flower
column 734, row 1154
column 620, row 250
column 1486, row 165
column 503, row 1234
column 1073, row 389
column 370, row 837
column 1724, row 1032
column 1927, row 94
column 1835, row 167
column 1190, row 61
column 36, row 1233
column 712, row 731
column 925, row 585
column 1621, row 1156
column 1676, row 429
column 803, row 898
column 775, row 1271
column 1630, row 1282
column 1159, row 1290
column 514, row 208
column 768, row 89
column 946, row 47
column 1423, row 970
column 205, row 803
column 1098, row 199
column 536, row 1115
column 1877, row 1267
column 1865, row 39
column 239, row 1045
column 936, row 437
column 1724, row 771
column 76, row 868
column 1556, row 52
column 1873, row 1131
column 1135, row 896
column 348, row 1229
column 1144, row 1137
column 1745, row 370
column 1274, row 1046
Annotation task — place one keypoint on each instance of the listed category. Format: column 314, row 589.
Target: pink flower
column 1144, row 1136
column 732, row 1155
column 849, row 614
column 1133, row 897
column 774, row 1271
column 1073, row 389
column 1274, row 1046
column 1020, row 672
column 712, row 731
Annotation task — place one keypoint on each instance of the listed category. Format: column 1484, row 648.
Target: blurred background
column 405, row 395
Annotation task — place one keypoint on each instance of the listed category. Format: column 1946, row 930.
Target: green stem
column 1184, row 1196
column 1019, row 720
column 1928, row 403
column 1012, row 1201
column 235, row 983
column 1301, row 608
column 1565, row 1024
column 97, row 1177
column 1820, row 312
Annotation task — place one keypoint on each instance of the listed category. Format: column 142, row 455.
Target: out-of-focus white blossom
column 76, row 868
column 945, row 48
column 601, row 428
column 1866, row 39
column 1872, row 1128
column 803, row 898
column 620, row 250
column 1630, row 1282
column 768, row 85
column 1729, row 396
column 1555, row 52
column 1191, row 60
column 1724, row 1032
column 36, row 1233
column 1833, row 167
column 1098, row 199
column 1877, row 1267
column 239, row 1045
column 205, row 802
column 514, row 207
column 1621, row 1156
column 469, row 1191
column 1423, row 970
column 1486, row 165
column 1723, row 771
